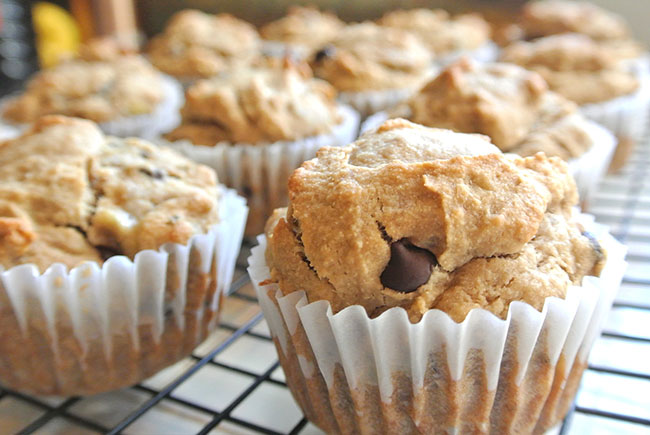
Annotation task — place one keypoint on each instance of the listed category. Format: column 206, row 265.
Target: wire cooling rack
column 232, row 383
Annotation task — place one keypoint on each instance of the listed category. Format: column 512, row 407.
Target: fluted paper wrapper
column 146, row 126
column 260, row 171
column 369, row 102
column 353, row 374
column 587, row 170
column 626, row 117
column 98, row 327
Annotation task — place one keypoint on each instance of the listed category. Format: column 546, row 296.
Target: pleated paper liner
column 97, row 328
column 488, row 52
column 353, row 374
column 626, row 117
column 260, row 171
column 587, row 170
column 147, row 125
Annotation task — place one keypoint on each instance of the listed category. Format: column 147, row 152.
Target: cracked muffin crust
column 551, row 17
column 365, row 57
column 278, row 100
column 303, row 26
column 442, row 33
column 195, row 44
column 575, row 66
column 96, row 90
column 425, row 218
column 509, row 104
column 70, row 194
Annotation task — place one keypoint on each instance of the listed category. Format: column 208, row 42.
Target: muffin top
column 196, row 44
column 509, row 104
column 421, row 218
column 551, row 17
column 366, row 57
column 276, row 100
column 70, row 194
column 575, row 66
column 440, row 32
column 303, row 26
column 100, row 91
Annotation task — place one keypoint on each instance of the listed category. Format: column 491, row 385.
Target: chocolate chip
column 158, row 174
column 327, row 51
column 408, row 268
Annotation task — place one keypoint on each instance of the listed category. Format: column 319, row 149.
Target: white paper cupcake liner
column 101, row 327
column 626, row 117
column 369, row 102
column 353, row 374
column 260, row 171
column 488, row 52
column 147, row 126
column 587, row 170
column 282, row 49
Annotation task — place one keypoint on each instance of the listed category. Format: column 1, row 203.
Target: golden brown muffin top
column 303, row 26
column 70, row 194
column 575, row 66
column 511, row 105
column 366, row 57
column 439, row 31
column 195, row 44
column 96, row 90
column 421, row 218
column 279, row 100
column 551, row 17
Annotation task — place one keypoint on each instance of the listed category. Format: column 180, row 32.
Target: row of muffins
column 128, row 187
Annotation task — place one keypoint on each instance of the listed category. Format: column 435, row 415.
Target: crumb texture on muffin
column 575, row 66
column 197, row 44
column 367, row 56
column 100, row 90
column 426, row 218
column 511, row 105
column 275, row 100
column 68, row 194
column 442, row 33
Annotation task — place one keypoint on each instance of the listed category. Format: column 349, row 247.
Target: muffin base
column 352, row 374
column 99, row 328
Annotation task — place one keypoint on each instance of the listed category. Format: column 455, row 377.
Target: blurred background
column 34, row 33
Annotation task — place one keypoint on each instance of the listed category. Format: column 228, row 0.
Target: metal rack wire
column 623, row 202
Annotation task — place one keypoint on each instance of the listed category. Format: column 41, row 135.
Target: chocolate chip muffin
column 441, row 33
column 99, row 91
column 574, row 66
column 421, row 281
column 255, row 125
column 552, row 17
column 387, row 207
column 305, row 28
column 99, row 222
column 195, row 44
column 373, row 67
column 511, row 105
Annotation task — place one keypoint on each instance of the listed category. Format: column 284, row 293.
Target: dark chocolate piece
column 156, row 173
column 324, row 52
column 408, row 268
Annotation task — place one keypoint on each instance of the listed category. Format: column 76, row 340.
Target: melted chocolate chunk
column 327, row 51
column 408, row 268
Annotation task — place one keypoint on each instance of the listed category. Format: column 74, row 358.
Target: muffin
column 552, row 17
column 303, row 30
column 199, row 45
column 515, row 108
column 256, row 125
column 115, row 255
column 422, row 282
column 123, row 93
column 591, row 74
column 447, row 37
column 373, row 67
